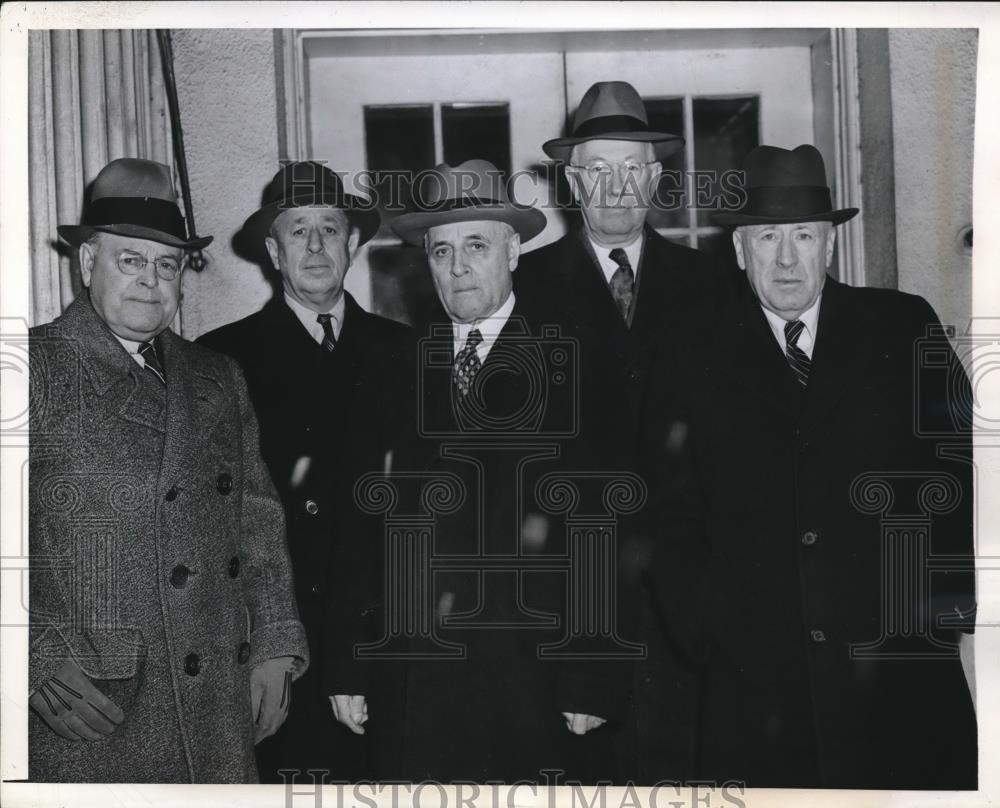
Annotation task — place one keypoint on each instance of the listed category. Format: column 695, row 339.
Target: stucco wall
column 226, row 91
column 933, row 116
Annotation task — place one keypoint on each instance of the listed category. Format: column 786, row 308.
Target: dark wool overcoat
column 675, row 288
column 816, row 546
column 158, row 555
column 323, row 419
column 488, row 706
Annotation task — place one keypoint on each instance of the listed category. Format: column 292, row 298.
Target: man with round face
column 796, row 444
column 136, row 307
column 185, row 633
column 319, row 369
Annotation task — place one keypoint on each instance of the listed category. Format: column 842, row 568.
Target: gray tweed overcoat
column 158, row 557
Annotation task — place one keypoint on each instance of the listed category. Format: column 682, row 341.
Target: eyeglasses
column 130, row 263
column 600, row 171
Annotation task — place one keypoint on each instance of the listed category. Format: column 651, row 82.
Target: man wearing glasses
column 164, row 632
column 620, row 288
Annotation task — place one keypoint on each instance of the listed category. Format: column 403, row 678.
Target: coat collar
column 755, row 360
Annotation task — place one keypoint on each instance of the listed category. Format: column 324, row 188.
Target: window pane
column 402, row 289
column 668, row 208
column 476, row 131
column 397, row 139
column 725, row 131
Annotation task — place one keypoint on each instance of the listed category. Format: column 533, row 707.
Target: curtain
column 94, row 96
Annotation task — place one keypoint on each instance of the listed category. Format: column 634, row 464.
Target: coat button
column 314, row 589
column 244, row 653
column 809, row 537
column 224, row 483
column 817, row 635
column 179, row 576
column 192, row 665
column 234, row 567
column 171, row 495
column 311, row 507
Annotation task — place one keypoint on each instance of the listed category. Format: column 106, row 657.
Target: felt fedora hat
column 299, row 184
column 612, row 110
column 471, row 192
column 132, row 197
column 785, row 187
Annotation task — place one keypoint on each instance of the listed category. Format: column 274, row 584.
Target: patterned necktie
column 148, row 354
column 329, row 341
column 622, row 282
column 467, row 364
column 797, row 359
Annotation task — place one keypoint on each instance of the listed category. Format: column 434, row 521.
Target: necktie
column 622, row 282
column 797, row 359
column 329, row 340
column 467, row 364
column 148, row 354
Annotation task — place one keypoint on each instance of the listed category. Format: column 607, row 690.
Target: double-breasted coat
column 158, row 555
column 815, row 548
column 324, row 420
column 675, row 289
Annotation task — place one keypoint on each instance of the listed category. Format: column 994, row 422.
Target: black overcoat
column 492, row 712
column 796, row 532
column 323, row 417
column 677, row 288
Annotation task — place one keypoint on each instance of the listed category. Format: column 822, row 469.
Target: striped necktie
column 797, row 359
column 467, row 363
column 622, row 282
column 148, row 353
column 329, row 340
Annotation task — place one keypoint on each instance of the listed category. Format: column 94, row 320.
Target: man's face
column 613, row 202
column 135, row 307
column 786, row 263
column 312, row 247
column 471, row 264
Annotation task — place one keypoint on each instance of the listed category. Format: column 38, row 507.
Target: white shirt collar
column 132, row 347
column 633, row 251
column 490, row 327
column 809, row 318
column 308, row 317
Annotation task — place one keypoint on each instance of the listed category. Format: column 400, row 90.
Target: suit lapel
column 840, row 353
column 753, row 359
column 113, row 374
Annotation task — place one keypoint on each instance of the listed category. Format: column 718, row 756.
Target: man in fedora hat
column 812, row 461
column 318, row 368
column 470, row 698
column 621, row 288
column 164, row 630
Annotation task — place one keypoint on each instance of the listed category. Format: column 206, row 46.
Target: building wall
column 226, row 91
column 226, row 88
column 933, row 117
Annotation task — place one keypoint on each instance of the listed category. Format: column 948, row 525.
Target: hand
column 581, row 724
column 270, row 695
column 351, row 711
column 73, row 707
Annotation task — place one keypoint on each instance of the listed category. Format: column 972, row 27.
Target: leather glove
column 270, row 695
column 73, row 707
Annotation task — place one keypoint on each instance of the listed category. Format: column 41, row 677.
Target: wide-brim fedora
column 136, row 198
column 302, row 184
column 785, row 187
column 470, row 192
column 612, row 110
